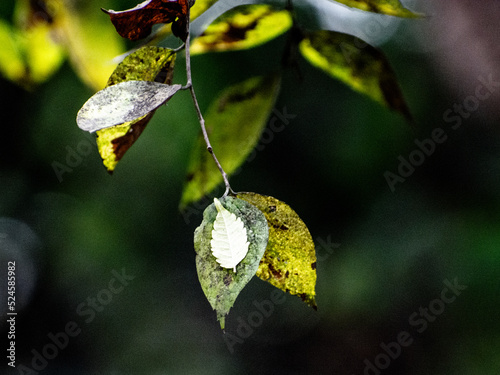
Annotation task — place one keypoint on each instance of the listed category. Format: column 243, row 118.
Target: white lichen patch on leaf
column 229, row 238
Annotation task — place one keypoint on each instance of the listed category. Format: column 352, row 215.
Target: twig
column 189, row 85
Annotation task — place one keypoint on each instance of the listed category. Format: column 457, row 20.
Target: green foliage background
column 328, row 163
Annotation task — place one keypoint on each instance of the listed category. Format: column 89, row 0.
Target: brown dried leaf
column 137, row 23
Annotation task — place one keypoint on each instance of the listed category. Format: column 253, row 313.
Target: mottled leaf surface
column 357, row 64
column 243, row 27
column 389, row 7
column 221, row 285
column 289, row 262
column 123, row 102
column 234, row 122
column 148, row 64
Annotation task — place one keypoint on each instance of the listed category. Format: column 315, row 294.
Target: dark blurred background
column 109, row 260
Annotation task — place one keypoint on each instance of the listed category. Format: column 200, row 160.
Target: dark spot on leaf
column 237, row 97
column 280, row 226
column 313, row 265
column 276, row 274
column 237, row 33
column 287, row 273
column 227, row 279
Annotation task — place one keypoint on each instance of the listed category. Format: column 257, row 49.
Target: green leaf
column 243, row 27
column 389, row 7
column 222, row 285
column 357, row 64
column 146, row 64
column 289, row 262
column 234, row 121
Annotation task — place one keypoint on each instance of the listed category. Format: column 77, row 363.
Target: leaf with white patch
column 123, row 102
column 229, row 238
column 221, row 285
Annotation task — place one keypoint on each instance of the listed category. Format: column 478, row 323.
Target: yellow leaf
column 357, row 64
column 243, row 27
column 30, row 53
column 146, row 64
column 12, row 64
column 200, row 6
column 44, row 56
column 91, row 41
column 289, row 262
column 389, row 7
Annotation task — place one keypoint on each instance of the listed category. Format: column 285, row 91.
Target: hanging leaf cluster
column 242, row 234
column 251, row 234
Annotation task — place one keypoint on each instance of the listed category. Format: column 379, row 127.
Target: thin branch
column 189, row 85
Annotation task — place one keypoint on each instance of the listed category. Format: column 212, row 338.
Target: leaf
column 365, row 69
column 243, row 27
column 92, row 43
column 12, row 64
column 289, row 262
column 234, row 121
column 221, row 285
column 29, row 54
column 161, row 34
column 389, row 7
column 229, row 238
column 115, row 141
column 147, row 64
column 199, row 7
column 123, row 102
column 43, row 55
column 137, row 23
